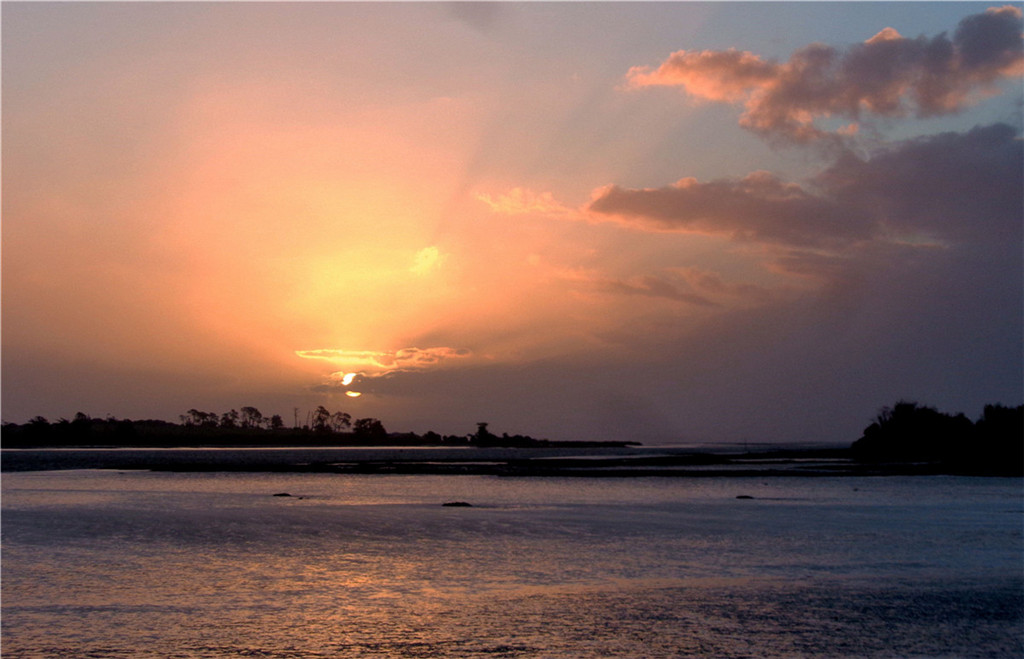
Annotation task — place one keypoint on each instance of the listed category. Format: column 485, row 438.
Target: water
column 99, row 563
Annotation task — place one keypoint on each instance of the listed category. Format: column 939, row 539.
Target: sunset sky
column 668, row 222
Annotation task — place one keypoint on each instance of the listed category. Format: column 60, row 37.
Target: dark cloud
column 712, row 284
column 990, row 43
column 888, row 75
column 757, row 208
column 944, row 187
column 962, row 187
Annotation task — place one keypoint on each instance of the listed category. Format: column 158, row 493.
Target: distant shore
column 908, row 439
column 567, row 459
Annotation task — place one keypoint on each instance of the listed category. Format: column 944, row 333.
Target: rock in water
column 457, row 504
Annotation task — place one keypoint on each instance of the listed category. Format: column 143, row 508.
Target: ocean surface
column 104, row 563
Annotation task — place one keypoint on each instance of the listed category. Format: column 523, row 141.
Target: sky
column 672, row 223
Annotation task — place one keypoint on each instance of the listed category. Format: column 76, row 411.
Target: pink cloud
column 888, row 75
column 727, row 75
column 518, row 201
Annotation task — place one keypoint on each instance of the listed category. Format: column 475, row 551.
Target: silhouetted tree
column 369, row 429
column 251, row 417
column 229, row 419
column 1000, row 440
column 999, row 421
column 276, row 422
column 340, row 421
column 909, row 432
column 321, row 419
column 81, row 426
column 204, row 419
column 124, row 430
column 912, row 432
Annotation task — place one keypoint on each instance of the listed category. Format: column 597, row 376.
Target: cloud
column 665, row 287
column 723, row 75
column 362, row 369
column 711, row 284
column 425, row 357
column 757, row 208
column 519, row 201
column 385, row 362
column 658, row 287
column 951, row 186
column 343, row 356
column 888, row 75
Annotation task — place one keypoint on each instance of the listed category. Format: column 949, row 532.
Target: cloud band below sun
column 370, row 363
column 363, row 364
column 404, row 358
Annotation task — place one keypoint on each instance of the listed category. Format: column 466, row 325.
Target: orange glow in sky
column 510, row 211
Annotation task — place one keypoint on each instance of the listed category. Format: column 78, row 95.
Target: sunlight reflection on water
column 210, row 565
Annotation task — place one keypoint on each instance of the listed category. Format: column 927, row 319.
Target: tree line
column 906, row 433
column 246, row 426
column 909, row 432
column 320, row 420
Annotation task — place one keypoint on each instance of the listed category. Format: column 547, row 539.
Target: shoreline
column 577, row 461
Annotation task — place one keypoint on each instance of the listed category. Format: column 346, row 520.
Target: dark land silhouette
column 249, row 428
column 907, row 438
column 913, row 433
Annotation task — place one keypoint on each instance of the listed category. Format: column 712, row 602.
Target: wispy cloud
column 657, row 287
column 888, row 75
column 668, row 286
column 361, row 367
column 519, row 201
column 386, row 361
column 712, row 285
column 342, row 356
